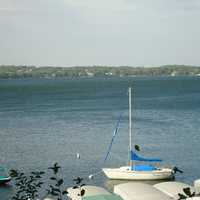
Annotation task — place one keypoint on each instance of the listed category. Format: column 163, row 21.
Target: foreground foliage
column 32, row 187
column 27, row 186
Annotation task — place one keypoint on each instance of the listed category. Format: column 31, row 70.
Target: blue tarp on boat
column 135, row 157
column 143, row 168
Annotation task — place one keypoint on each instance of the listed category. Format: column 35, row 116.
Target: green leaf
column 82, row 192
column 40, row 184
column 181, row 196
column 54, row 193
column 55, row 168
column 78, row 180
column 187, row 191
column 60, row 182
column 64, row 192
column 13, row 173
column 56, row 190
column 137, row 148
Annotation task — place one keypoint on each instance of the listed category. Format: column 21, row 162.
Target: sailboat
column 135, row 171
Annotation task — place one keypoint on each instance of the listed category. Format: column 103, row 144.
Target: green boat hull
column 4, row 180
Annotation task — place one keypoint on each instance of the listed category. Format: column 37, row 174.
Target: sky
column 99, row 32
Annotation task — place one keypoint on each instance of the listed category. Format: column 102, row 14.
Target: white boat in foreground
column 91, row 193
column 172, row 189
column 136, row 171
column 138, row 191
column 160, row 191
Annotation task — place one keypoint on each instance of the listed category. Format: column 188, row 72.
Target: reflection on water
column 109, row 184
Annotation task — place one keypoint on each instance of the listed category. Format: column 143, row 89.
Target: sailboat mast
column 130, row 125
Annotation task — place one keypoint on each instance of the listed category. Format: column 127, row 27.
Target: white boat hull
column 124, row 173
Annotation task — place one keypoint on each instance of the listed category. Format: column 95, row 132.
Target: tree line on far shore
column 10, row 71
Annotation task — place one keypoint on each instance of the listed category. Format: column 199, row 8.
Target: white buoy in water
column 197, row 186
column 91, row 176
column 78, row 156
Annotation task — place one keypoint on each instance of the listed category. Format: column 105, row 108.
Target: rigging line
column 91, row 176
column 109, row 148
column 114, row 134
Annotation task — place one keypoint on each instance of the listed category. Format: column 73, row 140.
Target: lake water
column 43, row 121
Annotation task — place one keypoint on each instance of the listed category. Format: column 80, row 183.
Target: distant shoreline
column 14, row 72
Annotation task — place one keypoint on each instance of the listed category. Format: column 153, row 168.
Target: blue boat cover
column 143, row 168
column 135, row 157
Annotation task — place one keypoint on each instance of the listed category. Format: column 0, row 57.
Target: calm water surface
column 43, row 121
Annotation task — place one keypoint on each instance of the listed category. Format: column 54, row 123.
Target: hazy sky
column 101, row 32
